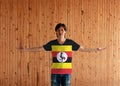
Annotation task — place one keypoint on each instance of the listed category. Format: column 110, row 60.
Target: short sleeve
column 75, row 46
column 47, row 46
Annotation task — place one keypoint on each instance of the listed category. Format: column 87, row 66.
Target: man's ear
column 56, row 35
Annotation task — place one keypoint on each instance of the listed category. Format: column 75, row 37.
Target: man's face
column 60, row 32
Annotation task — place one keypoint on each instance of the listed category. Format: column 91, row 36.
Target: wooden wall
column 30, row 23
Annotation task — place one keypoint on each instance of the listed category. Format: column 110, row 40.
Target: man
column 62, row 55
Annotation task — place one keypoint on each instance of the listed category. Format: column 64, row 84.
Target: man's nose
column 61, row 31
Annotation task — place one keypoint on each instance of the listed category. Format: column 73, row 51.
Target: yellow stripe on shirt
column 62, row 48
column 61, row 65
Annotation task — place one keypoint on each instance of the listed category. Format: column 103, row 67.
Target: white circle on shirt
column 62, row 56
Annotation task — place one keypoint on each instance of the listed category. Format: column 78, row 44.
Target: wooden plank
column 31, row 23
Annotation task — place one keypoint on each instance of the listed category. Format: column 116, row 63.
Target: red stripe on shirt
column 61, row 71
column 69, row 54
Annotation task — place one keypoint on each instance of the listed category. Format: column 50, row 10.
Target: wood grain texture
column 31, row 23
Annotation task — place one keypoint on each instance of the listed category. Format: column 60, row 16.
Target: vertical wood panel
column 31, row 23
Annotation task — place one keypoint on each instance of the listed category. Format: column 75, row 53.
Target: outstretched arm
column 34, row 49
column 82, row 49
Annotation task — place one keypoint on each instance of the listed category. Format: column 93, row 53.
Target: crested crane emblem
column 62, row 56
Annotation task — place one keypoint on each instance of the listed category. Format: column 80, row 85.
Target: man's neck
column 61, row 40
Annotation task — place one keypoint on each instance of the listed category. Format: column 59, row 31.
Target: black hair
column 60, row 25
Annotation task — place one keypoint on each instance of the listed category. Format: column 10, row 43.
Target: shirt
column 61, row 55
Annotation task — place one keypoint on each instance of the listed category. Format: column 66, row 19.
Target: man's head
column 60, row 25
column 60, row 29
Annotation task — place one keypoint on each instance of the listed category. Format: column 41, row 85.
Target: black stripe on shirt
column 69, row 60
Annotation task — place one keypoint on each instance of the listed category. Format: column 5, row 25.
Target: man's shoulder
column 52, row 41
column 69, row 39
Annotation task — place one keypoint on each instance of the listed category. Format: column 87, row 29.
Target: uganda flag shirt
column 61, row 55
